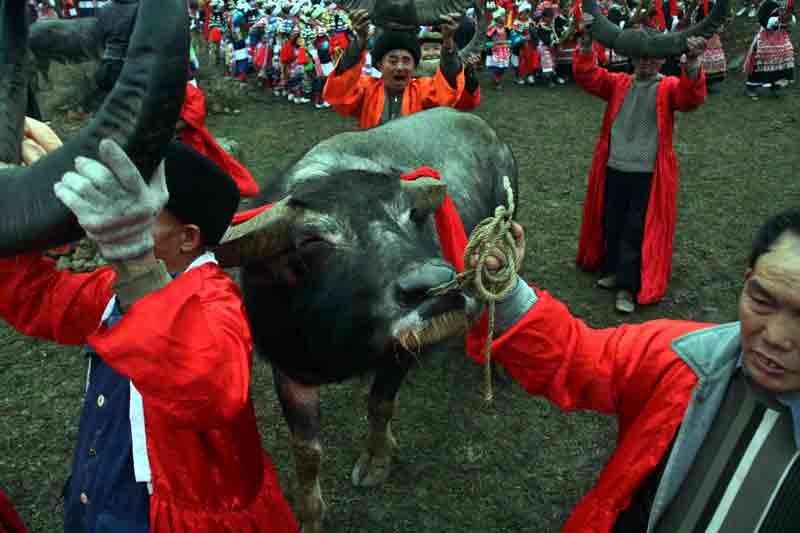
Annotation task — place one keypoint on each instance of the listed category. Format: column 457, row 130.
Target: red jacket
column 631, row 371
column 187, row 348
column 196, row 135
column 674, row 94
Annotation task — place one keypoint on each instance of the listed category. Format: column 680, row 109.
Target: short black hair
column 772, row 229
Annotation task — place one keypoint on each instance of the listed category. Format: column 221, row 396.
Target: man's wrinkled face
column 396, row 68
column 769, row 310
column 647, row 67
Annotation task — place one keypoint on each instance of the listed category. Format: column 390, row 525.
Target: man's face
column 175, row 243
column 769, row 310
column 647, row 67
column 431, row 51
column 396, row 68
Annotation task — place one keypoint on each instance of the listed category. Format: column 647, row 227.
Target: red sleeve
column 40, row 301
column 345, row 91
column 469, row 100
column 551, row 353
column 594, row 79
column 687, row 94
column 186, row 347
column 437, row 92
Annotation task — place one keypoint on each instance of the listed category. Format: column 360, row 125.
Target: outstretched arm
column 450, row 63
column 355, row 52
column 588, row 74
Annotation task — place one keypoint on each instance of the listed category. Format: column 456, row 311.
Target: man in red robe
column 630, row 208
column 397, row 93
column 192, row 130
column 708, row 415
column 168, row 440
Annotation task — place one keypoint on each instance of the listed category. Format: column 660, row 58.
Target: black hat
column 395, row 40
column 200, row 192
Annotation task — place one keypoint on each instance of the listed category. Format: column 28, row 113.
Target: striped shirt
column 746, row 475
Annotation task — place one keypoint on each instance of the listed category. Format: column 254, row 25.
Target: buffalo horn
column 476, row 42
column 635, row 43
column 426, row 193
column 263, row 236
column 140, row 114
column 14, row 75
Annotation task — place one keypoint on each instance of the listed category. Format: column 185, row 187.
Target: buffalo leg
column 300, row 405
column 375, row 463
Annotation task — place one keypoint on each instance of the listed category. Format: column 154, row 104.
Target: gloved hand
column 113, row 204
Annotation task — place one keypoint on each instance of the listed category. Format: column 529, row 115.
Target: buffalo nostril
column 413, row 286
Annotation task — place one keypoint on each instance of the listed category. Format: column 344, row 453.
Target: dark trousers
column 624, row 211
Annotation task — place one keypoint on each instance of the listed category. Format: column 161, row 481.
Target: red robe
column 674, row 94
column 354, row 94
column 196, row 135
column 10, row 521
column 187, row 347
column 631, row 371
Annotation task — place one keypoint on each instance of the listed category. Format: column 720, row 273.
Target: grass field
column 520, row 465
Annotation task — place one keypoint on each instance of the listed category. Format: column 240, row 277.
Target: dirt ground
column 520, row 465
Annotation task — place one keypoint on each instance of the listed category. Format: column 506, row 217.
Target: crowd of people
column 291, row 47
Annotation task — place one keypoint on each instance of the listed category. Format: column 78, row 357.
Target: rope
column 489, row 287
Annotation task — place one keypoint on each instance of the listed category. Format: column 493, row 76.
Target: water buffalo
column 336, row 275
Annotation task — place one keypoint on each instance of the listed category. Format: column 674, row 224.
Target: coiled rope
column 488, row 286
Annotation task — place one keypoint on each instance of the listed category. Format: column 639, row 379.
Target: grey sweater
column 634, row 133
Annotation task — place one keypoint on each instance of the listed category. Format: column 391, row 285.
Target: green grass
column 520, row 465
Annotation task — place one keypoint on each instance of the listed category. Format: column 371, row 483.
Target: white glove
column 113, row 204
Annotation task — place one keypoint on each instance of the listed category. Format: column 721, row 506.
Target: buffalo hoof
column 371, row 470
column 312, row 511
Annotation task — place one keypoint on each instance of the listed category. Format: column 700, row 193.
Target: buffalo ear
column 426, row 195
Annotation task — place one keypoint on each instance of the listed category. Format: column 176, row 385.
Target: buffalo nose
column 413, row 286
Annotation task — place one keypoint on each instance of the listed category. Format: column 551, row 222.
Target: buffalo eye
column 313, row 251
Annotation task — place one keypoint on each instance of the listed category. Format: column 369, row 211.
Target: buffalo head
column 336, row 275
column 636, row 43
column 406, row 15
